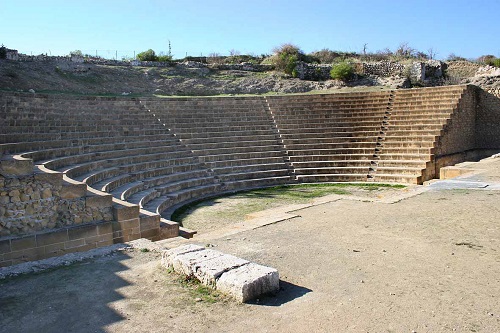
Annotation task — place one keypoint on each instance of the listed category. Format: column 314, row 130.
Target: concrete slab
column 249, row 282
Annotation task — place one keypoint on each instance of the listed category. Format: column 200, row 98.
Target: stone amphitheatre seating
column 235, row 139
column 149, row 156
column 330, row 137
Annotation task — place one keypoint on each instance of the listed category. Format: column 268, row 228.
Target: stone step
column 340, row 151
column 247, row 184
column 236, row 150
column 140, row 181
column 332, row 146
column 344, row 170
column 194, row 139
column 399, row 170
column 317, row 178
column 241, row 156
column 229, row 177
column 231, row 144
column 332, row 157
column 244, row 162
column 330, row 140
column 365, row 163
column 93, row 161
column 394, row 178
column 94, row 175
column 248, row 168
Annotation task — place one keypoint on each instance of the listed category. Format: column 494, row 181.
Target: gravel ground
column 429, row 263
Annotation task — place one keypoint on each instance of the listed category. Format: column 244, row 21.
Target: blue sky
column 466, row 28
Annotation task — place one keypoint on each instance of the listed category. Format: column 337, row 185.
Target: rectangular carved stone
column 53, row 178
column 208, row 271
column 249, row 282
column 82, row 232
column 186, row 263
column 10, row 167
column 99, row 201
column 105, row 228
column 167, row 256
column 19, row 244
column 5, row 246
column 73, row 191
column 125, row 212
column 60, row 236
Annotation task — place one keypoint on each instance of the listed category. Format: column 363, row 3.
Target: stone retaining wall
column 488, row 119
column 419, row 71
column 30, row 204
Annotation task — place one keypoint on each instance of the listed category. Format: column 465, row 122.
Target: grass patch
column 233, row 207
column 197, row 290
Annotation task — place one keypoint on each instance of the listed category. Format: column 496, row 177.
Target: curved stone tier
column 146, row 157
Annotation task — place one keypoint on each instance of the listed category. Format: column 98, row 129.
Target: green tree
column 148, row 55
column 76, row 53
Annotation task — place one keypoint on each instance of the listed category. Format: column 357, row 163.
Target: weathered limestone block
column 208, row 271
column 249, row 282
column 187, row 263
column 232, row 275
column 167, row 257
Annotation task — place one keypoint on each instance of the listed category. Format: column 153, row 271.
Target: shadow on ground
column 71, row 299
column 288, row 292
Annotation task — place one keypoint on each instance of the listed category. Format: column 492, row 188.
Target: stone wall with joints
column 488, row 119
column 419, row 71
column 44, row 215
column 457, row 143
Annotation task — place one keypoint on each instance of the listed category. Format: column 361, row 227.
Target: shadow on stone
column 288, row 292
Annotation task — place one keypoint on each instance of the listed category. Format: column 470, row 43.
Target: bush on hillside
column 342, row 71
column 495, row 62
column 148, row 55
column 3, row 52
column 286, row 58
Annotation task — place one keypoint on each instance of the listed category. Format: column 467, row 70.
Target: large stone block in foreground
column 249, row 281
column 231, row 275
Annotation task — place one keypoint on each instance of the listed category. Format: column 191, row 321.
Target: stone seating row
column 183, row 149
column 407, row 150
column 340, row 120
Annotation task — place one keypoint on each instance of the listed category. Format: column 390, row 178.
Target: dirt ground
column 429, row 263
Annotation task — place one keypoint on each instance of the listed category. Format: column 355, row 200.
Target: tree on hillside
column 76, row 53
column 286, row 57
column 148, row 55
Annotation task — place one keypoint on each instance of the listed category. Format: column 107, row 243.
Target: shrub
column 342, row 71
column 148, row 55
column 3, row 52
column 164, row 58
column 286, row 57
column 496, row 62
column 486, row 59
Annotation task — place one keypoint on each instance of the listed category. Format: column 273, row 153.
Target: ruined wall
column 383, row 68
column 419, row 71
